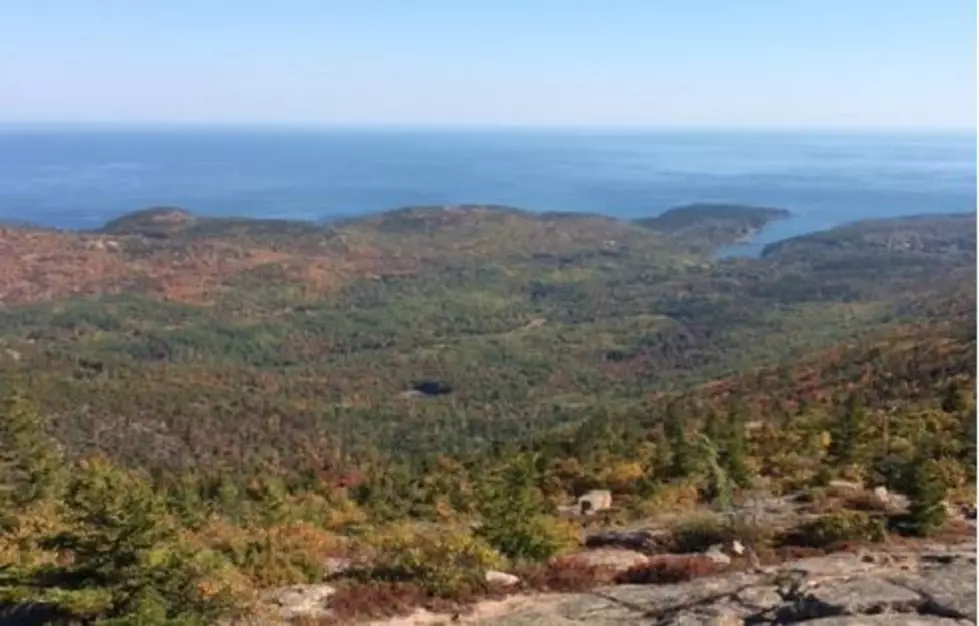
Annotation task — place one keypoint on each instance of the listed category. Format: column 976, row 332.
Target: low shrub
column 563, row 576
column 837, row 527
column 534, row 538
column 699, row 534
column 444, row 562
column 676, row 496
column 282, row 554
column 668, row 569
column 865, row 501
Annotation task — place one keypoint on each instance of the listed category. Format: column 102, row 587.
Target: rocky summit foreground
column 933, row 586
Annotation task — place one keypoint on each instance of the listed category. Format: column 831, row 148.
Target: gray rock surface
column 860, row 596
column 306, row 601
column 934, row 585
column 502, row 579
column 901, row 589
column 949, row 589
column 886, row 620
column 648, row 541
column 613, row 559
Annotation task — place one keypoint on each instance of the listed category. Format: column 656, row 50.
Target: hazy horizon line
column 473, row 126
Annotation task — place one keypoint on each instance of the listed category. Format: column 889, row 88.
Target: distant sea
column 80, row 177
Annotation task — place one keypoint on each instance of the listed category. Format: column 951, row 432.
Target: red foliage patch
column 564, row 575
column 669, row 568
column 378, row 600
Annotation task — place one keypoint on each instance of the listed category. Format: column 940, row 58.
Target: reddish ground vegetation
column 564, row 576
column 384, row 599
column 669, row 568
column 47, row 265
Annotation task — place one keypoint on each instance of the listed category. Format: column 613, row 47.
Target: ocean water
column 81, row 177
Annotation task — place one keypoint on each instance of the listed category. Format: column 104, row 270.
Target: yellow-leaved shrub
column 445, row 561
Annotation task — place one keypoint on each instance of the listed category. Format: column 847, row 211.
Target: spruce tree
column 682, row 458
column 719, row 488
column 846, row 433
column 926, row 491
column 512, row 510
column 733, row 447
column 121, row 542
column 29, row 463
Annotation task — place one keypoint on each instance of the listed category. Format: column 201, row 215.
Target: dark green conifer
column 846, row 433
column 29, row 463
column 733, row 447
column 682, row 457
column 926, row 491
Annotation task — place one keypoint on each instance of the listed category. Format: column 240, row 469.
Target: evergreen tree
column 513, row 512
column 682, row 458
column 846, row 433
column 719, row 488
column 122, row 544
column 733, row 448
column 926, row 490
column 28, row 460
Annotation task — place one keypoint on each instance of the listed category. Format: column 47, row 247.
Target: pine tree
column 719, row 488
column 847, row 431
column 121, row 542
column 513, row 512
column 733, row 448
column 28, row 460
column 682, row 458
column 926, row 490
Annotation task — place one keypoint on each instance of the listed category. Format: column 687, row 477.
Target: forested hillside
column 247, row 398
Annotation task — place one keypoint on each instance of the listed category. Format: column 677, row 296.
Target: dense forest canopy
column 168, row 338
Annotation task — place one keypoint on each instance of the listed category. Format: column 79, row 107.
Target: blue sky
column 733, row 63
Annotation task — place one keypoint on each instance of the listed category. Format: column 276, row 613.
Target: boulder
column 845, row 485
column 501, row 579
column 648, row 541
column 594, row 501
column 301, row 601
column 615, row 560
column 716, row 554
